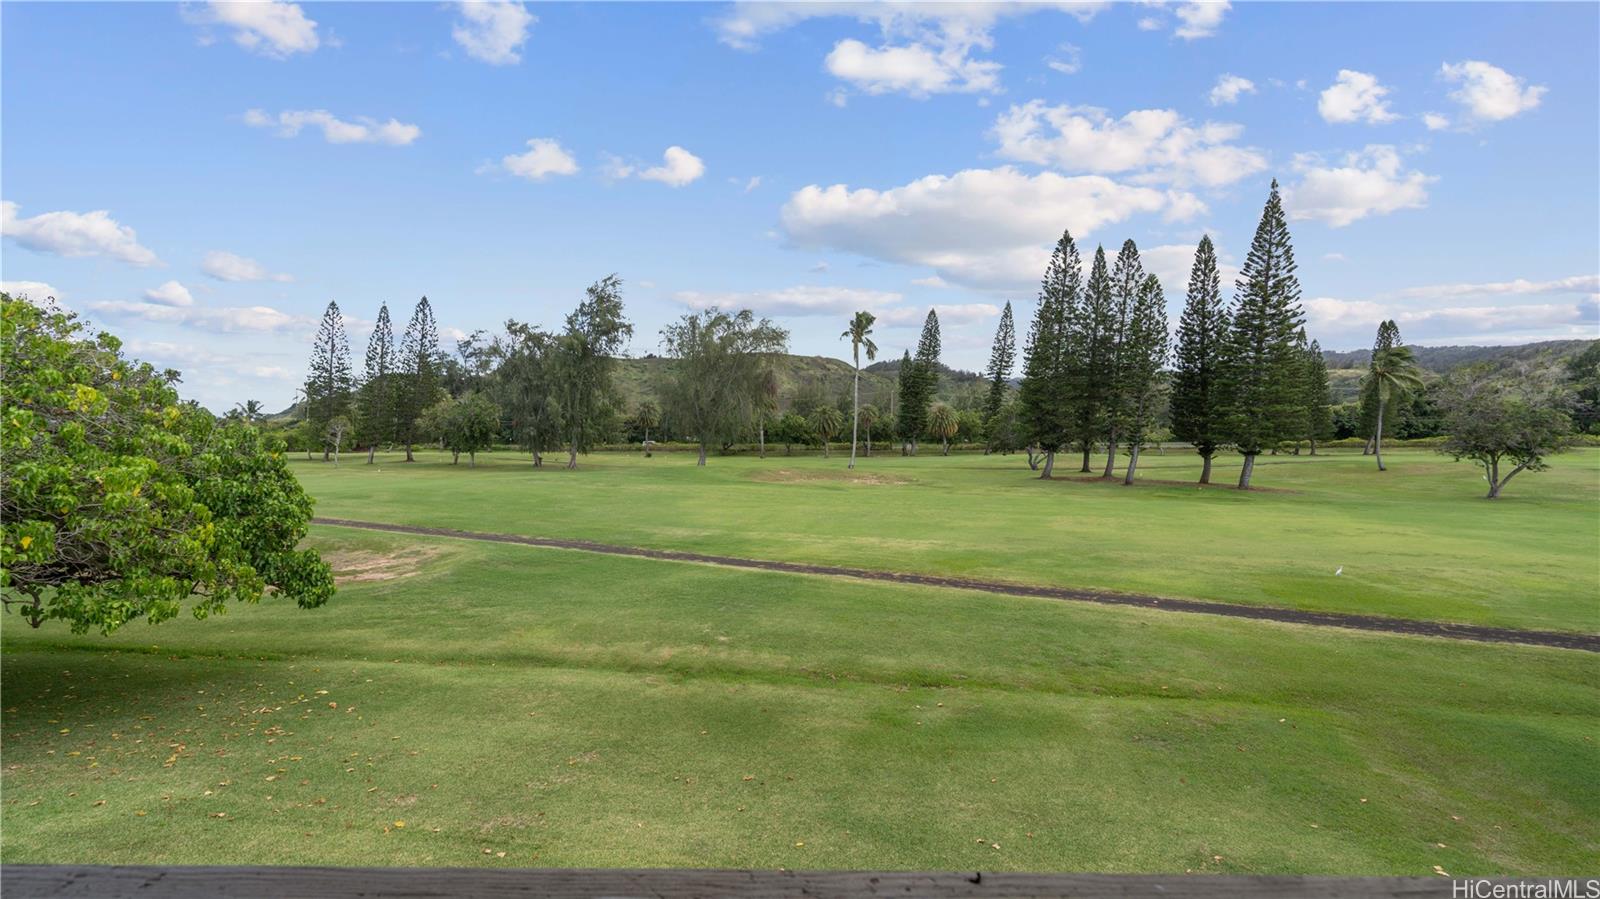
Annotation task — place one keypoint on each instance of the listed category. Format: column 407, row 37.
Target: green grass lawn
column 1418, row 541
column 518, row 706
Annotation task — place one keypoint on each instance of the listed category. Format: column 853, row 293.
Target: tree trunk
column 1049, row 465
column 1244, row 473
column 1366, row 448
column 825, row 453
column 761, row 437
column 1111, row 454
column 868, row 447
column 472, row 460
column 324, row 452
column 409, row 457
column 538, row 459
column 1205, row 471
column 572, row 455
column 1133, row 463
column 455, row 457
column 647, row 451
column 371, row 452
column 1086, row 449
column 1313, row 446
column 946, row 446
column 702, row 461
column 1377, row 437
column 855, row 404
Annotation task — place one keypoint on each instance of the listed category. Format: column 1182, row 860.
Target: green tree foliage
column 1583, row 370
column 1144, row 351
column 118, row 501
column 1198, row 412
column 249, row 411
column 417, row 376
column 1393, row 376
column 583, row 357
column 716, row 390
column 792, row 428
column 1497, row 422
column 911, row 416
column 1045, row 399
column 943, row 423
column 1388, row 338
column 860, row 336
column 467, row 424
column 867, row 416
column 525, row 383
column 1127, row 280
column 330, row 382
column 826, row 423
column 766, row 407
column 1090, row 363
column 919, row 381
column 376, row 400
column 1319, row 422
column 1263, row 375
column 1001, row 358
column 647, row 418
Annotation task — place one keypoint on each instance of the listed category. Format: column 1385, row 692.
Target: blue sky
column 203, row 178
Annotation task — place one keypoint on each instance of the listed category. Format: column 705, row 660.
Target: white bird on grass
column 1338, row 571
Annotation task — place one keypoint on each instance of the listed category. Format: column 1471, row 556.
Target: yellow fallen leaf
column 399, row 824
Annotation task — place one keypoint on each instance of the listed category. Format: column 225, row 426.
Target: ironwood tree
column 720, row 358
column 583, row 358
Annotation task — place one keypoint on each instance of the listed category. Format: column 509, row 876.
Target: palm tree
column 766, row 407
column 249, row 410
column 943, row 424
column 825, row 424
column 1393, row 375
column 860, row 334
column 647, row 417
column 868, row 415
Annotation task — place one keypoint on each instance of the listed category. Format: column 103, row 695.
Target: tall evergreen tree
column 1388, row 338
column 911, row 417
column 919, row 382
column 418, row 375
column 585, row 354
column 1144, row 352
column 1263, row 375
column 1319, row 418
column 330, row 381
column 1001, row 358
column 1045, row 397
column 1089, row 364
column 376, row 398
column 1197, row 400
column 1127, row 281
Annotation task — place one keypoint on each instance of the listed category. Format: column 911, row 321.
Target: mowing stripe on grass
column 1479, row 633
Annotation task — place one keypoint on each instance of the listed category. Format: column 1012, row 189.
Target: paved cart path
column 1379, row 623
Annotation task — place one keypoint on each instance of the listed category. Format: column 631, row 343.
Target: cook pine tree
column 1197, row 400
column 1319, row 417
column 1264, row 372
column 418, row 375
column 1127, row 280
column 375, row 400
column 1388, row 338
column 1045, row 398
column 1089, row 364
column 1001, row 357
column 329, row 382
column 1144, row 352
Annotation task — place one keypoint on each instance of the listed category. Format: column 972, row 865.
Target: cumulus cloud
column 170, row 294
column 1441, row 313
column 1229, row 88
column 361, row 130
column 678, row 168
column 33, row 290
column 1069, row 60
column 1154, row 144
column 544, row 157
column 226, row 266
column 493, row 30
column 1200, row 18
column 271, row 28
column 1171, row 263
column 1435, row 121
column 978, row 227
column 1371, row 181
column 1355, row 97
column 75, row 234
column 1489, row 93
column 925, row 48
column 227, row 319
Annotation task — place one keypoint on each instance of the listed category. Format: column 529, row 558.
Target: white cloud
column 493, row 32
column 1435, row 121
column 1434, row 313
column 362, row 130
column 1229, row 88
column 982, row 227
column 1369, row 182
column 75, row 234
column 271, row 28
column 931, row 281
column 228, row 319
column 1171, row 263
column 1070, row 62
column 678, row 167
column 1333, row 257
column 1520, row 287
column 752, row 184
column 33, row 290
column 1200, row 18
column 543, row 158
column 926, row 48
column 1489, row 93
column 1355, row 97
column 170, row 294
column 1156, row 144
column 226, row 266
column 1150, row 23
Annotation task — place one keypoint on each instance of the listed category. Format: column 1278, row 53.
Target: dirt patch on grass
column 846, row 476
column 352, row 566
